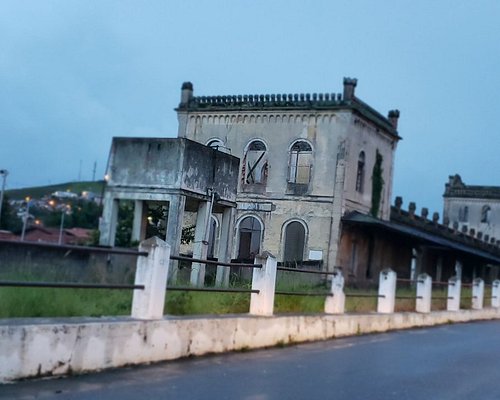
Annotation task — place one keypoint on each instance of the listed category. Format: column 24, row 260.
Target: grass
column 54, row 302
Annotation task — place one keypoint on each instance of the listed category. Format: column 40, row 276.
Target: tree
column 9, row 220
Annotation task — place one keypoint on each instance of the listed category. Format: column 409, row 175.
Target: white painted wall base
column 44, row 347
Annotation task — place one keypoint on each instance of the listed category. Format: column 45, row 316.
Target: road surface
column 448, row 362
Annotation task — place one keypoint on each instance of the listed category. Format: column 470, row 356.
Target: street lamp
column 26, row 217
column 3, row 174
column 65, row 210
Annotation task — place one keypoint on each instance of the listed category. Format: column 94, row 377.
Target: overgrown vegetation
column 377, row 184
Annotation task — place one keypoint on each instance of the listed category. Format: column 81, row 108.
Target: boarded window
column 255, row 163
column 486, row 214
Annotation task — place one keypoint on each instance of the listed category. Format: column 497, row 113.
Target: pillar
column 225, row 246
column 424, row 293
column 263, row 280
column 386, row 291
column 454, row 286
column 495, row 293
column 335, row 304
column 108, row 221
column 140, row 220
column 200, row 247
column 477, row 294
column 439, row 269
column 174, row 230
column 152, row 272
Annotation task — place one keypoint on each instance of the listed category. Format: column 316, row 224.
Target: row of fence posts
column 152, row 272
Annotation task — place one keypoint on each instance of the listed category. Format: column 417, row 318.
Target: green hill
column 38, row 192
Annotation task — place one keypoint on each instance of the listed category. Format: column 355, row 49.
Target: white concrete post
column 335, row 304
column 424, row 293
column 454, row 286
column 386, row 291
column 152, row 272
column 477, row 294
column 495, row 293
column 263, row 280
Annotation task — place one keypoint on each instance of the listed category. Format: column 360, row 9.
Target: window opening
column 300, row 163
column 295, row 235
column 360, row 176
column 255, row 163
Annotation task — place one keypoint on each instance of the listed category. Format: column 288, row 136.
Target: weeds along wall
column 27, row 262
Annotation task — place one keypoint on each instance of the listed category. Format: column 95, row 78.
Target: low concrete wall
column 45, row 347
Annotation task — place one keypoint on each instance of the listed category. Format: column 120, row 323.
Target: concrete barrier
column 48, row 347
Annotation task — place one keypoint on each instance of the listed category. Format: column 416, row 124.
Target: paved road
column 448, row 362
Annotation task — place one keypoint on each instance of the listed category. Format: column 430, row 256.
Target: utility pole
column 93, row 171
column 3, row 174
column 26, row 217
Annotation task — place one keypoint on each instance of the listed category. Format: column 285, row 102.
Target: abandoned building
column 305, row 160
column 307, row 177
column 473, row 208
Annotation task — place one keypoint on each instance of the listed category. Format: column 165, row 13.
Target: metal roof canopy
column 357, row 219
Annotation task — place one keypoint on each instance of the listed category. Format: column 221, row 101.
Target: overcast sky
column 73, row 74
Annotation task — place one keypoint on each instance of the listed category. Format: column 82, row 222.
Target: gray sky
column 73, row 74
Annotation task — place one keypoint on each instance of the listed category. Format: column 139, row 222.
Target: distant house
column 64, row 195
column 51, row 235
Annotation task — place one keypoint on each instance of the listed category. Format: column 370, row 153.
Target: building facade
column 473, row 208
column 305, row 160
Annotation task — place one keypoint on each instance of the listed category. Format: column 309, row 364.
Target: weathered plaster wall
column 452, row 206
column 36, row 347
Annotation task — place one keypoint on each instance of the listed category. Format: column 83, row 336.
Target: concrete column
column 200, row 248
column 337, row 209
column 335, row 304
column 152, row 272
column 263, row 280
column 439, row 269
column 458, row 269
column 225, row 246
column 495, row 293
column 108, row 221
column 386, row 291
column 454, row 286
column 174, row 230
column 477, row 294
column 424, row 293
column 140, row 220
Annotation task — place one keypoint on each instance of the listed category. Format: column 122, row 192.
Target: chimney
column 435, row 218
column 398, row 202
column 425, row 212
column 186, row 92
column 412, row 207
column 393, row 117
column 349, row 86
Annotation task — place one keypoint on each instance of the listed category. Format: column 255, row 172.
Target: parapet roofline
column 285, row 102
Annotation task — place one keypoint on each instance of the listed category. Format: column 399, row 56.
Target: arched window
column 360, row 176
column 215, row 143
column 486, row 214
column 299, row 168
column 295, row 236
column 250, row 233
column 254, row 169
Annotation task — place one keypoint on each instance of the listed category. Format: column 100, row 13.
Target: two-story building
column 305, row 160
